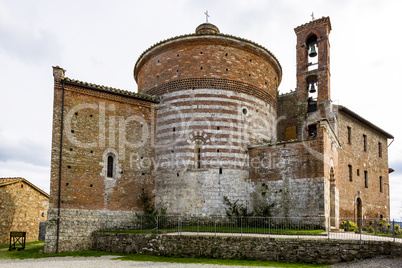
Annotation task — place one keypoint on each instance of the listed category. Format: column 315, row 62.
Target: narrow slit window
column 381, row 189
column 379, row 149
column 364, row 143
column 198, row 157
column 110, row 163
column 365, row 179
column 349, row 135
column 197, row 152
column 350, row 172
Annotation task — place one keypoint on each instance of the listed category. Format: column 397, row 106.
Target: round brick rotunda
column 218, row 95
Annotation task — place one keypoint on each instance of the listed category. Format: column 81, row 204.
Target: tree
column 150, row 214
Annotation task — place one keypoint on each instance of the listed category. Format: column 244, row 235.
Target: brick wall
column 105, row 125
column 208, row 56
column 219, row 91
column 374, row 202
column 287, row 114
column 321, row 29
column 97, row 124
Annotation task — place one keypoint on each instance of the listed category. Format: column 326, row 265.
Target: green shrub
column 352, row 226
column 151, row 217
column 398, row 230
column 368, row 229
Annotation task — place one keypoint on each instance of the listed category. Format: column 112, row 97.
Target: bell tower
column 313, row 71
column 312, row 58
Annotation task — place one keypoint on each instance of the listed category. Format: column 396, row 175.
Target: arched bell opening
column 312, row 92
column 312, row 52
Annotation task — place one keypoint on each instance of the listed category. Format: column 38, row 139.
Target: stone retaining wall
column 77, row 225
column 265, row 249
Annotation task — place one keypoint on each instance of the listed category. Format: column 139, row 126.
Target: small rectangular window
column 312, row 130
column 349, row 135
column 365, row 179
column 350, row 172
column 381, row 185
column 379, row 149
column 364, row 143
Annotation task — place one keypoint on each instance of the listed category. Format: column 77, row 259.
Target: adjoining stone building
column 208, row 123
column 23, row 207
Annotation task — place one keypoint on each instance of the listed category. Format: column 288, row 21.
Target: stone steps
column 335, row 230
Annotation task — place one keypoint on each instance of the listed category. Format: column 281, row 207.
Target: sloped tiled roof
column 111, row 90
column 364, row 121
column 12, row 180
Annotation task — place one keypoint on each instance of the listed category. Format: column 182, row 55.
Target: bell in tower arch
column 312, row 52
column 312, row 88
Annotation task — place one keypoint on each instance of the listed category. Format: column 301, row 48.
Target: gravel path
column 372, row 263
column 106, row 262
column 94, row 262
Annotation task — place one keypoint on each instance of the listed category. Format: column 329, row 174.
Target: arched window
column 198, row 152
column 110, row 165
column 199, row 157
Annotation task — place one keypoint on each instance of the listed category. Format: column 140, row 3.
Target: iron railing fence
column 366, row 229
column 219, row 225
column 275, row 227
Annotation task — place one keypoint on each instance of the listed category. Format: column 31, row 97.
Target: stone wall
column 22, row 208
column 224, row 123
column 77, row 225
column 253, row 248
column 288, row 174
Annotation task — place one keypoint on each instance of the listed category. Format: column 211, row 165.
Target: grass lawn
column 139, row 257
column 32, row 251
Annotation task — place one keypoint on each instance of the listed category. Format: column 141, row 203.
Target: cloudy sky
column 100, row 41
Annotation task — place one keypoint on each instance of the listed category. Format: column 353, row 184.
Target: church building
column 206, row 124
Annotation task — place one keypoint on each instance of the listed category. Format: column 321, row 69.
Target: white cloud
column 27, row 150
column 100, row 41
column 22, row 40
column 38, row 175
column 395, row 196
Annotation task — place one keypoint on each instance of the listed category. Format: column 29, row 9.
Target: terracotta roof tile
column 111, row 90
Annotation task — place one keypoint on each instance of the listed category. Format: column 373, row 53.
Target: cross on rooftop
column 206, row 15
